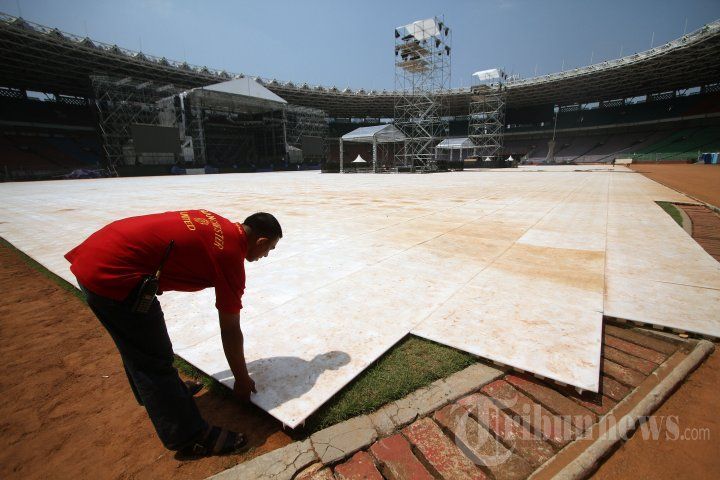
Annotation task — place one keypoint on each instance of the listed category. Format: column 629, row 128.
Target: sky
column 350, row 43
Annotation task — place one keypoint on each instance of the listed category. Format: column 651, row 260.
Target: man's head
column 264, row 232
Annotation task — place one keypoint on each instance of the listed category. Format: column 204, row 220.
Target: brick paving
column 511, row 426
column 705, row 228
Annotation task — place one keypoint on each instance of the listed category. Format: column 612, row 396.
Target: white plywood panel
column 656, row 273
column 538, row 305
column 483, row 261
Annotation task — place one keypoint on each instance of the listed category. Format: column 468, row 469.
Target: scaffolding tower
column 123, row 102
column 307, row 129
column 486, row 126
column 422, row 73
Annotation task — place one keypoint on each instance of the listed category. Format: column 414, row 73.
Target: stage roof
column 241, row 95
column 381, row 133
column 36, row 57
column 455, row 144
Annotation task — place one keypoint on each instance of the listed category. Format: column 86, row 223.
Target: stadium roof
column 41, row 58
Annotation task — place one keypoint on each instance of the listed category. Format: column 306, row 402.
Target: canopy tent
column 359, row 159
column 455, row 144
column 376, row 135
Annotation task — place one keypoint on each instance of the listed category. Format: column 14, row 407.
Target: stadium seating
column 683, row 144
column 46, row 139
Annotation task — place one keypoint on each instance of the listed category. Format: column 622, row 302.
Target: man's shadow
column 280, row 379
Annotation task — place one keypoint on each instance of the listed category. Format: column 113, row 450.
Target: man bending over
column 121, row 266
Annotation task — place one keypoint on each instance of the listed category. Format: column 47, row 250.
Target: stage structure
column 122, row 103
column 486, row 126
column 307, row 130
column 422, row 75
column 237, row 124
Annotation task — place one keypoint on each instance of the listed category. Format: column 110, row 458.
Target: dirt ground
column 67, row 409
column 698, row 180
column 691, row 412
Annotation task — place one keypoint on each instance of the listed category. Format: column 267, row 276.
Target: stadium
column 657, row 105
column 509, row 280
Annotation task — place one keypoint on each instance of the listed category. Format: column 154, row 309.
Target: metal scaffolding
column 422, row 75
column 123, row 102
column 486, row 122
column 214, row 129
column 307, row 129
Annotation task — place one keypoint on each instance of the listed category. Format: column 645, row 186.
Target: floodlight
column 447, row 50
column 437, row 42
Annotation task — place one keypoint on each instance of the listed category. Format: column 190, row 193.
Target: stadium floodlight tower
column 487, row 113
column 422, row 73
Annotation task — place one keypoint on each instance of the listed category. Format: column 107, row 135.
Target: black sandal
column 215, row 441
column 193, row 386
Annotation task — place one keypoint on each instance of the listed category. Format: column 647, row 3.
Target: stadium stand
column 659, row 105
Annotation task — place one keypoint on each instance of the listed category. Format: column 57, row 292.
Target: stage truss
column 303, row 122
column 422, row 75
column 211, row 132
column 486, row 125
column 122, row 102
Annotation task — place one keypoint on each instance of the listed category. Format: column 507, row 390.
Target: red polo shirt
column 209, row 251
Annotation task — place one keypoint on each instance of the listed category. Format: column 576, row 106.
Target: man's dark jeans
column 147, row 354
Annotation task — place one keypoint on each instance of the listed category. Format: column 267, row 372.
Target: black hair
column 264, row 225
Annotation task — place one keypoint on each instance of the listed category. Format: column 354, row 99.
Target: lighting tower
column 422, row 73
column 486, row 127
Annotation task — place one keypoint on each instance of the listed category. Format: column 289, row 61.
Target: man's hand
column 232, row 340
column 243, row 387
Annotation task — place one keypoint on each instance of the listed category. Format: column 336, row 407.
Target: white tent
column 359, row 159
column 376, row 135
column 455, row 144
column 510, row 159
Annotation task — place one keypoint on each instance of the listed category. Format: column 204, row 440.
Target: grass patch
column 672, row 210
column 412, row 363
column 208, row 382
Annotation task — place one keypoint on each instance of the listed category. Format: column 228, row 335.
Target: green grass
column 409, row 365
column 672, row 210
column 209, row 382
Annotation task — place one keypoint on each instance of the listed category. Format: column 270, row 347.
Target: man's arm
column 232, row 340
